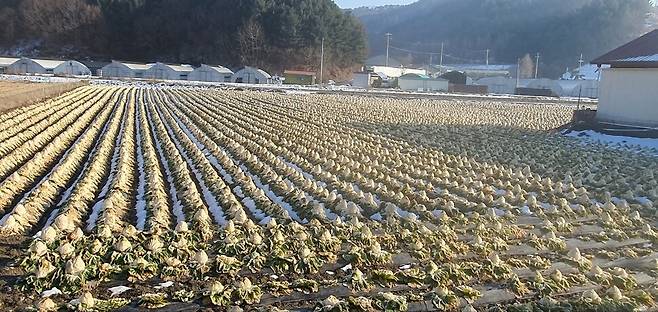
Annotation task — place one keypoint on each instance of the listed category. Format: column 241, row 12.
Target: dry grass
column 17, row 94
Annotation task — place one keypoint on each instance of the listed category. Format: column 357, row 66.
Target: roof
column 48, row 64
column 478, row 67
column 641, row 52
column 258, row 70
column 181, row 68
column 135, row 66
column 6, row 61
column 218, row 68
column 299, row 72
column 420, row 77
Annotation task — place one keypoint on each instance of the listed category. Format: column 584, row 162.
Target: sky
column 346, row 4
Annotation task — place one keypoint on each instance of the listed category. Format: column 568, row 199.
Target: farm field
column 14, row 94
column 214, row 198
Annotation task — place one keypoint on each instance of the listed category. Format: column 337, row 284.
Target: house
column 418, row 82
column 118, row 69
column 33, row 66
column 251, row 75
column 211, row 74
column 72, row 68
column 299, row 77
column 628, row 91
column 162, row 71
column 6, row 62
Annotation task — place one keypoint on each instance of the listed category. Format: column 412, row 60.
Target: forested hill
column 558, row 29
column 273, row 34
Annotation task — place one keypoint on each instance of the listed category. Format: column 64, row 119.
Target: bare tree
column 54, row 17
column 251, row 39
column 527, row 67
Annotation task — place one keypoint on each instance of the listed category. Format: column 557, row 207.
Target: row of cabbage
column 440, row 201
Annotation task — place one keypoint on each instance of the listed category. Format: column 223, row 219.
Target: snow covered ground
column 648, row 145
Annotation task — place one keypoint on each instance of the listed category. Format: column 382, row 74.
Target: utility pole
column 431, row 55
column 518, row 72
column 537, row 66
column 487, row 57
column 388, row 44
column 441, row 61
column 322, row 61
column 580, row 61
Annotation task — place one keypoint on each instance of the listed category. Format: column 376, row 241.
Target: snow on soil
column 213, row 205
column 648, row 145
column 140, row 204
column 177, row 208
column 96, row 210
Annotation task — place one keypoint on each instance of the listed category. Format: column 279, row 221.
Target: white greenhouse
column 252, row 75
column 161, row 71
column 211, row 74
column 33, row 66
column 5, row 62
column 72, row 68
column 124, row 70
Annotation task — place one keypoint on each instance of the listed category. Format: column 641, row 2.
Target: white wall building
column 251, row 75
column 417, row 82
column 124, row 70
column 161, row 71
column 629, row 88
column 211, row 74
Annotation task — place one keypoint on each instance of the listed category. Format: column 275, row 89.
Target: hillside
column 560, row 30
column 274, row 34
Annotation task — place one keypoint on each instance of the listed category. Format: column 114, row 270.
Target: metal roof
column 6, row 61
column 219, row 68
column 48, row 64
column 181, row 68
column 136, row 66
column 641, row 52
column 258, row 70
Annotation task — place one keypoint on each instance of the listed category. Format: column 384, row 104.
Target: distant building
column 252, row 75
column 95, row 67
column 418, row 82
column 5, row 62
column 363, row 80
column 299, row 77
column 162, row 71
column 502, row 85
column 211, row 74
column 118, row 69
column 584, row 72
column 72, row 68
column 33, row 66
column 629, row 89
column 395, row 72
column 478, row 71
